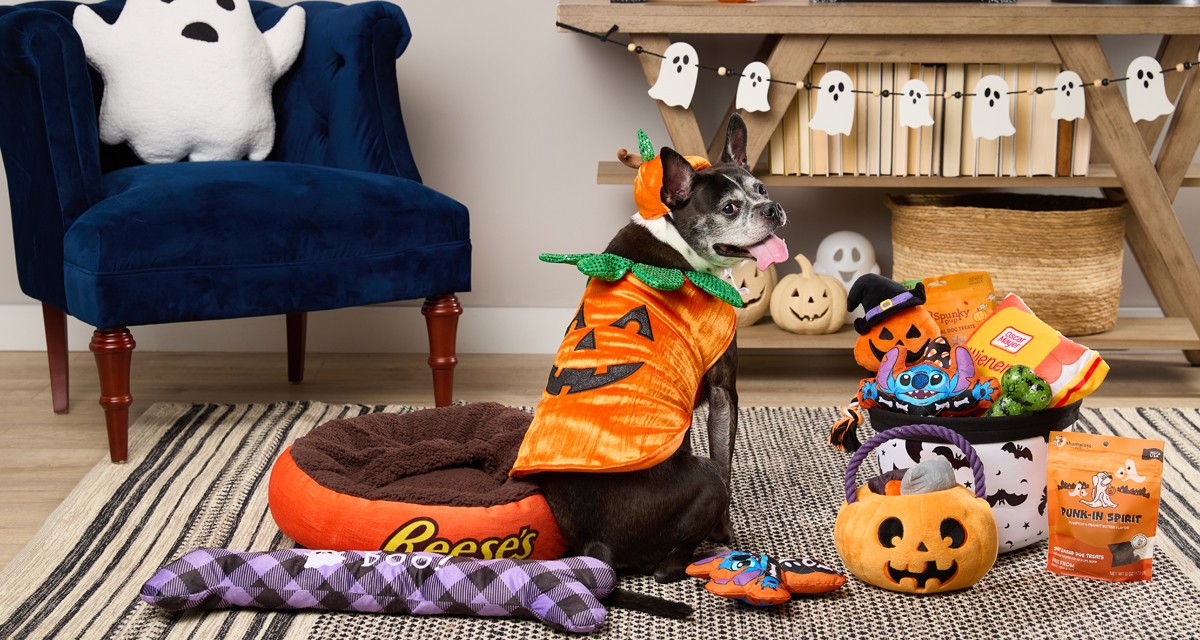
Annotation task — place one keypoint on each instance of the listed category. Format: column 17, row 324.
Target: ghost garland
column 990, row 113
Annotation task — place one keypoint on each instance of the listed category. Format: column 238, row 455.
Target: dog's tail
column 626, row 599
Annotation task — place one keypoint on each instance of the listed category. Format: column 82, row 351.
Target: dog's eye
column 761, row 189
column 729, row 209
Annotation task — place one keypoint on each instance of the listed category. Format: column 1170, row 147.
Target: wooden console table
column 800, row 34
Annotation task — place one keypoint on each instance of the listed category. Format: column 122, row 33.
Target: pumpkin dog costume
column 626, row 376
column 625, row 379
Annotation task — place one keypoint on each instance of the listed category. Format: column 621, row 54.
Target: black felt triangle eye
column 587, row 342
column 641, row 317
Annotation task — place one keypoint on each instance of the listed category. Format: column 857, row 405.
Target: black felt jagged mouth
column 201, row 31
column 931, row 572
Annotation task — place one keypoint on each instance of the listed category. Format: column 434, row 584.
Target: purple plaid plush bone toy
column 562, row 593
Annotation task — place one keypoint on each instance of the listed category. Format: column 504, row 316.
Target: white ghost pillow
column 189, row 78
column 1146, row 92
column 677, row 76
column 914, row 105
column 835, row 104
column 1068, row 96
column 989, row 111
column 752, row 88
column 847, row 256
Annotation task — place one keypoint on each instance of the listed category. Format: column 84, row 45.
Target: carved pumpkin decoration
column 808, row 302
column 756, row 287
column 943, row 540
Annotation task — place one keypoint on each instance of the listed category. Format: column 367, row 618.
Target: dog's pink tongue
column 768, row 252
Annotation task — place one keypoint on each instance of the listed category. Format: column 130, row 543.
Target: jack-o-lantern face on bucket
column 912, row 329
column 579, row 379
column 919, row 543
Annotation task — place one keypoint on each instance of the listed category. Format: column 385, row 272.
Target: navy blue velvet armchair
column 336, row 217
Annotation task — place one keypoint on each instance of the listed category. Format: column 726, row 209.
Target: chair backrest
column 305, row 97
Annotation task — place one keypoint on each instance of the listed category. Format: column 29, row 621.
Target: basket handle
column 914, row 430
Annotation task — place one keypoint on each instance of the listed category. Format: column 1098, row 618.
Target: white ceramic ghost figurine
column 189, row 78
column 752, row 88
column 914, row 105
column 677, row 76
column 846, row 255
column 989, row 109
column 835, row 104
column 1145, row 91
column 1068, row 96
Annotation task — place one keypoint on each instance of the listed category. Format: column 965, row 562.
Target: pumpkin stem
column 806, row 268
column 631, row 160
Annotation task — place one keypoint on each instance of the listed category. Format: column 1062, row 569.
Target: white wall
column 510, row 117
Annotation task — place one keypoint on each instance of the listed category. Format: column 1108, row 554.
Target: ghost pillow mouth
column 201, row 31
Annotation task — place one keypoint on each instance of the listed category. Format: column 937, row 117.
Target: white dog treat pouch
column 1103, row 505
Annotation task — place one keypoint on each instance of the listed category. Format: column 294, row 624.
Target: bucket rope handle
column 928, row 430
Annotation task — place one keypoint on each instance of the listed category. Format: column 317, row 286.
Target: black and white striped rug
column 197, row 477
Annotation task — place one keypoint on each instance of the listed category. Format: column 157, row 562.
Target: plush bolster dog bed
column 434, row 480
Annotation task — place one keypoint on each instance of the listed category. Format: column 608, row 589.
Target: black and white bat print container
column 1013, row 452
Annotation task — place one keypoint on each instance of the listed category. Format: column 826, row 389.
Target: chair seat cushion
column 202, row 241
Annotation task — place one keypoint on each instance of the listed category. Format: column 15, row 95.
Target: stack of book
column 878, row 145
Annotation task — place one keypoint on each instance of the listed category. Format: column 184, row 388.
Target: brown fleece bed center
column 453, row 456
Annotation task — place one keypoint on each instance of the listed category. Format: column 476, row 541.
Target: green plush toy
column 1023, row 392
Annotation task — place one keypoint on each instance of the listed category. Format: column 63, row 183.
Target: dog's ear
column 678, row 178
column 735, row 142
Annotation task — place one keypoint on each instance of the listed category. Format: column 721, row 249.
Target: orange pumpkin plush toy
column 895, row 317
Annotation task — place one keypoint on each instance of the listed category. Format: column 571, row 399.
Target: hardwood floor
column 45, row 455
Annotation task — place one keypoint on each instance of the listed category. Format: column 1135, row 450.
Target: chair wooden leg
column 113, row 349
column 297, row 333
column 55, row 321
column 441, row 319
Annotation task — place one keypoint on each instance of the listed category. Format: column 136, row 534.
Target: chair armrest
column 339, row 105
column 49, row 140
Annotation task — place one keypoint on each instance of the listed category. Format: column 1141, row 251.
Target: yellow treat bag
column 959, row 302
column 1014, row 335
column 1102, row 505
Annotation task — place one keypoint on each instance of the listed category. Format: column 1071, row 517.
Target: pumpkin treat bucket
column 917, row 532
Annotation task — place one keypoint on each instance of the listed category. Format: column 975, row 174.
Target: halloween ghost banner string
column 1146, row 93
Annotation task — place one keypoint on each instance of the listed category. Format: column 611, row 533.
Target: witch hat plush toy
column 894, row 317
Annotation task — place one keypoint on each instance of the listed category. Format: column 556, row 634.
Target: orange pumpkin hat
column 647, row 186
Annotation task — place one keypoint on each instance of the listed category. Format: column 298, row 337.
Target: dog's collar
column 610, row 268
column 664, row 230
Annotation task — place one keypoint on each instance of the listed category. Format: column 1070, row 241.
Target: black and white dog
column 652, row 520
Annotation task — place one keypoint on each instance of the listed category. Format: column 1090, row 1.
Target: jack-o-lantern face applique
column 912, row 329
column 921, row 543
column 626, row 376
column 587, row 378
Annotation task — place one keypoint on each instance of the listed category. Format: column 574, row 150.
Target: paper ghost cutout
column 752, row 88
column 677, row 76
column 835, row 104
column 1145, row 91
column 989, row 110
column 914, row 105
column 846, row 255
column 1068, row 96
column 187, row 79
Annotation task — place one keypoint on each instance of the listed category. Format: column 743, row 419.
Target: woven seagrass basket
column 1061, row 254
